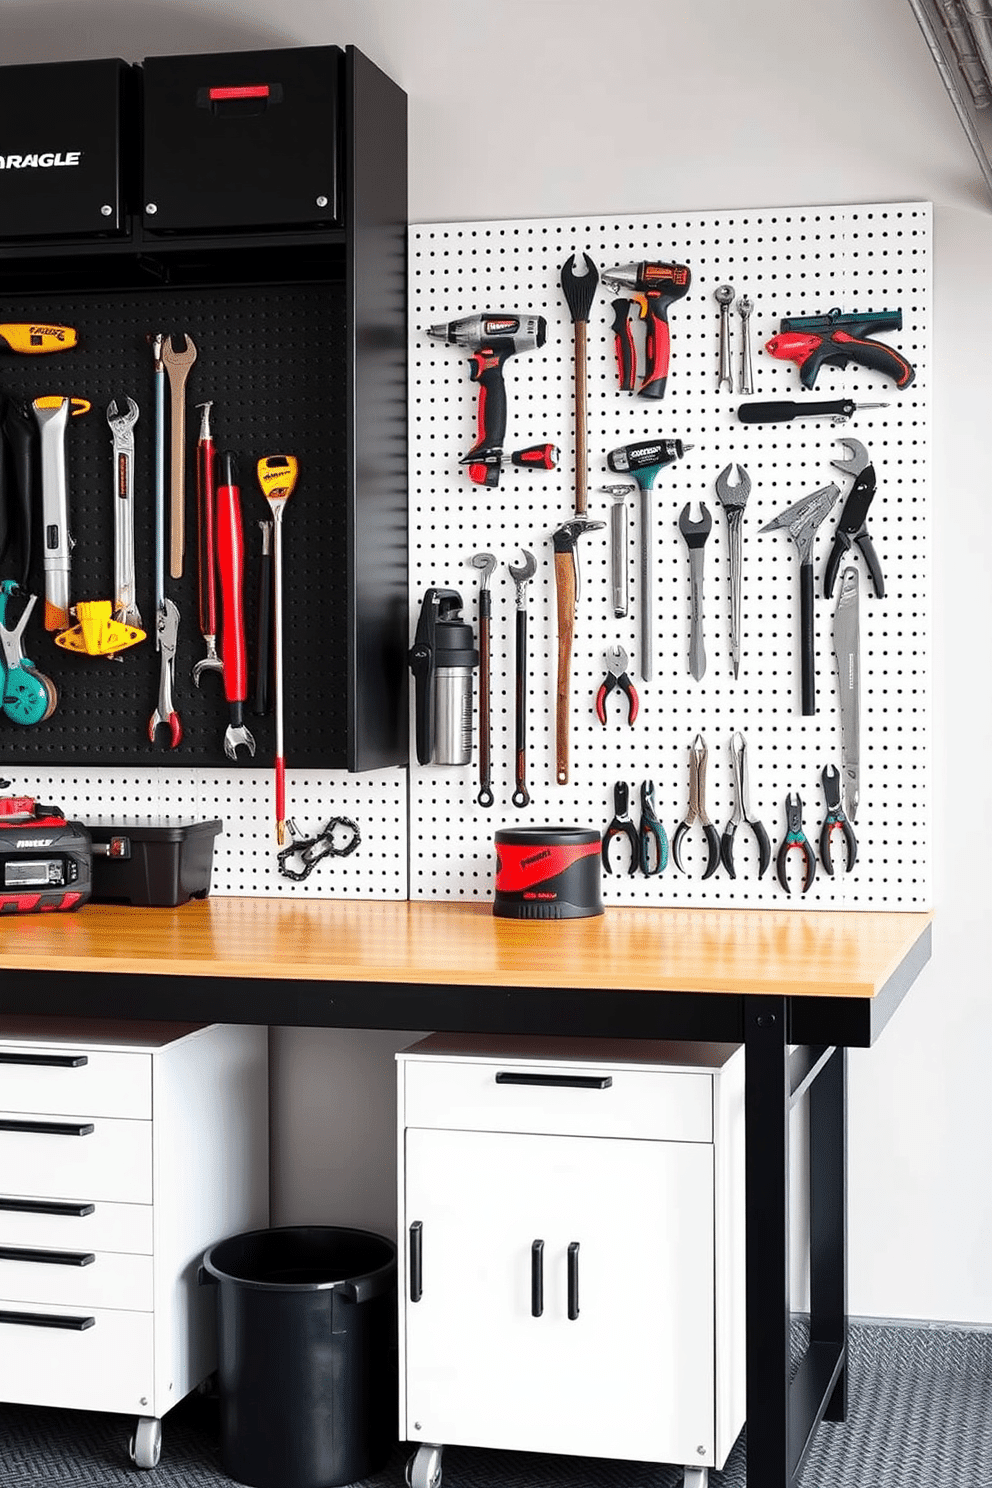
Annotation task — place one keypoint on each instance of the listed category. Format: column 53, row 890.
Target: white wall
column 544, row 107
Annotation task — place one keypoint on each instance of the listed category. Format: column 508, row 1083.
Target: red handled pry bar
column 231, row 565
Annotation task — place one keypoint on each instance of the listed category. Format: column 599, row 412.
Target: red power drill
column 653, row 286
column 492, row 338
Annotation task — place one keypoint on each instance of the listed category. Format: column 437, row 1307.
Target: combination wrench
column 122, row 431
column 695, row 534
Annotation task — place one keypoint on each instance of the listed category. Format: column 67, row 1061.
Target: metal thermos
column 442, row 659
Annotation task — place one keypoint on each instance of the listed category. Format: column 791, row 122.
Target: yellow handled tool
column 277, row 478
column 34, row 340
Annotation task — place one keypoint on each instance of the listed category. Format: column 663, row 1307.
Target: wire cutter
column 616, row 676
column 652, row 837
column 621, row 826
column 742, row 814
column 835, row 818
column 697, row 809
column 795, row 837
column 852, row 527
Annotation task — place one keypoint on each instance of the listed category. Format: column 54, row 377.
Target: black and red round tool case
column 46, row 862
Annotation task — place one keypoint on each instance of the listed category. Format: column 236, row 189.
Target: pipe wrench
column 122, row 431
column 52, row 416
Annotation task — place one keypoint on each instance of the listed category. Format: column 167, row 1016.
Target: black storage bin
column 153, row 862
column 64, row 148
column 236, row 140
column 306, row 1349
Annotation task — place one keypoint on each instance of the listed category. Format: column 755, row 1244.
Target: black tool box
column 163, row 863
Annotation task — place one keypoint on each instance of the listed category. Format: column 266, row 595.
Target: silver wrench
column 167, row 621
column 695, row 534
column 618, row 547
column 724, row 296
column 744, row 308
column 733, row 499
column 122, row 429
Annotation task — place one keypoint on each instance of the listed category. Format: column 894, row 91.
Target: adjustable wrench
column 695, row 534
column 167, row 622
column 122, row 430
column 177, row 364
column 52, row 415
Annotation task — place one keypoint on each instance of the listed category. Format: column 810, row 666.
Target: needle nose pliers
column 616, row 676
column 795, row 837
column 742, row 814
column 835, row 817
column 621, row 826
column 697, row 810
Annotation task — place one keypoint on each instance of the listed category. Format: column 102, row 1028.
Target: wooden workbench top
column 781, row 952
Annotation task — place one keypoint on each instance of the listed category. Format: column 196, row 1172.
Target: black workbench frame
column 793, row 1045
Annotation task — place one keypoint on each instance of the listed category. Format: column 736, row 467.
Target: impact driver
column 491, row 337
column 654, row 287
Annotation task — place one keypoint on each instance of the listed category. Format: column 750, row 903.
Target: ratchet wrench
column 122, row 431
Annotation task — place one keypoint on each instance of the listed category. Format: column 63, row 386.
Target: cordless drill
column 653, row 286
column 491, row 337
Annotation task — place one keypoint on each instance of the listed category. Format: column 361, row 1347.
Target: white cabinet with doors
column 572, row 1249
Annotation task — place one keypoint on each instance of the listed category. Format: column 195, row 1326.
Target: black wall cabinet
column 256, row 201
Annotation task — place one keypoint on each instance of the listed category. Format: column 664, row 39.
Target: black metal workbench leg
column 828, row 1217
column 766, row 1105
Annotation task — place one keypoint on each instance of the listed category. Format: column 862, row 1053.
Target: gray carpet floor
column 920, row 1417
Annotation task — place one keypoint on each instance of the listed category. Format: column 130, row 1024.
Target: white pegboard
column 801, row 261
column 245, row 854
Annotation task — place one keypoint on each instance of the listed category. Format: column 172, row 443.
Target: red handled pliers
column 835, row 817
column 616, row 676
column 795, row 837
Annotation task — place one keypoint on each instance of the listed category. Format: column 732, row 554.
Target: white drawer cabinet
column 573, row 1268
column 126, row 1149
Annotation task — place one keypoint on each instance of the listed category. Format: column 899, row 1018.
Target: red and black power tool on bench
column 45, row 861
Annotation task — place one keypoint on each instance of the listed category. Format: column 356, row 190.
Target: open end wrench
column 167, row 621
column 122, row 431
column 485, row 563
column 521, row 574
column 695, row 534
column 733, row 499
column 579, row 290
column 177, row 365
column 724, row 296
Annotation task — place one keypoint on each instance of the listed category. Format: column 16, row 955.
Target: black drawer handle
column 416, row 1260
column 50, row 1128
column 47, row 1206
column 49, row 1061
column 573, row 1281
column 47, row 1257
column 571, row 1082
column 537, row 1278
column 48, row 1320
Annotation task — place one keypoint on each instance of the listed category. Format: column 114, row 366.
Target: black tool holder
column 256, row 201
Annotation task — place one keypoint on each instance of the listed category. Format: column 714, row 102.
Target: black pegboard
column 272, row 358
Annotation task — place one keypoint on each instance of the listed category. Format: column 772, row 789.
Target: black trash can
column 306, row 1354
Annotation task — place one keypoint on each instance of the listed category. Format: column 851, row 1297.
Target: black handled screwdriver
column 778, row 413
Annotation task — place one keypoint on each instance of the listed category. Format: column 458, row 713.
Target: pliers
column 742, row 813
column 697, row 809
column 835, row 817
column 621, row 826
column 652, row 837
column 852, row 527
column 795, row 837
column 616, row 676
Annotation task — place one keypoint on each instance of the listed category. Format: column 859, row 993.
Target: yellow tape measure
column 35, row 340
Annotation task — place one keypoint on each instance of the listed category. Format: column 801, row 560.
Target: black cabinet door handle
column 49, row 1061
column 570, row 1082
column 416, row 1260
column 50, row 1128
column 48, row 1320
column 47, row 1257
column 537, row 1278
column 47, row 1206
column 573, row 1281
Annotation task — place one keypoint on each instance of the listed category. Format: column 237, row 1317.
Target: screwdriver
column 778, row 413
column 277, row 478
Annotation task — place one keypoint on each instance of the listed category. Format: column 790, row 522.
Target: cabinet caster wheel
column 145, row 1446
column 424, row 1468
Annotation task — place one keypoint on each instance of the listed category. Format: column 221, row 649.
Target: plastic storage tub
column 162, row 863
